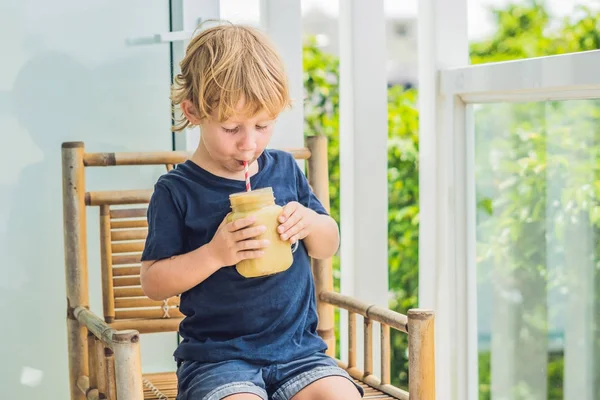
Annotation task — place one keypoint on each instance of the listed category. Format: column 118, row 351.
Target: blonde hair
column 228, row 64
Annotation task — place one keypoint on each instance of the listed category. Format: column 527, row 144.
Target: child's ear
column 190, row 112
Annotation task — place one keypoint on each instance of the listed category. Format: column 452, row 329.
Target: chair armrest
column 375, row 313
column 96, row 325
column 418, row 324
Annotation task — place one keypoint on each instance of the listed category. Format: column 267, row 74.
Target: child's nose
column 248, row 142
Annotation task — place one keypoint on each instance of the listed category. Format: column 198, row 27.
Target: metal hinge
column 165, row 37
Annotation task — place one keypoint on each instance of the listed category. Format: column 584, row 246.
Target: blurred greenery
column 527, row 155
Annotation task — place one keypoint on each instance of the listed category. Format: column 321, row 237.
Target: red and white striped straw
column 248, row 188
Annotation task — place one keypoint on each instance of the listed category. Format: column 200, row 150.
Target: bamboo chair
column 104, row 353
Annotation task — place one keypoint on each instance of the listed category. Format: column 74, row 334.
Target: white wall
column 67, row 74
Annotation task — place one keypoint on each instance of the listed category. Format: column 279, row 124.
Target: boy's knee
column 243, row 396
column 329, row 388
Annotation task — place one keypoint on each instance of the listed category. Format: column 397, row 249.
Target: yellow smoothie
column 261, row 204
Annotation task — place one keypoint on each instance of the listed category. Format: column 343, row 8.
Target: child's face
column 236, row 140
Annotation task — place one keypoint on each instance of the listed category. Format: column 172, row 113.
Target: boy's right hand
column 234, row 242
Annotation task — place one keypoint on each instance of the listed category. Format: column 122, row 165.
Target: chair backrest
column 123, row 230
column 123, row 234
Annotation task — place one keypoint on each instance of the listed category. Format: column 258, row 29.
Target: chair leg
column 102, row 379
column 75, row 260
column 421, row 354
column 78, row 360
column 111, row 387
column 128, row 369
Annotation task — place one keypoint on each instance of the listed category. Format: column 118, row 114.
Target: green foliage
column 525, row 31
column 521, row 148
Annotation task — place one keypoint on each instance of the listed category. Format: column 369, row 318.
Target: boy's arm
column 324, row 239
column 171, row 276
column 308, row 220
column 319, row 231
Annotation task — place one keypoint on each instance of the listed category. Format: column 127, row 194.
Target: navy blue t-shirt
column 266, row 320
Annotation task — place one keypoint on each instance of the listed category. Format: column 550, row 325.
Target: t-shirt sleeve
column 165, row 226
column 306, row 196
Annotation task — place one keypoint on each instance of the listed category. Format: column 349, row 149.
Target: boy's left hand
column 295, row 221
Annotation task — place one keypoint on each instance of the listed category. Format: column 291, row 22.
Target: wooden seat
column 104, row 352
column 162, row 386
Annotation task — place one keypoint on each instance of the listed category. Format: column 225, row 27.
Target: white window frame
column 185, row 17
column 447, row 273
column 363, row 163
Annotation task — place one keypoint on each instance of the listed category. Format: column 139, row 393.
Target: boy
column 242, row 338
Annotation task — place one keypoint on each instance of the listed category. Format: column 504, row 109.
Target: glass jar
column 260, row 203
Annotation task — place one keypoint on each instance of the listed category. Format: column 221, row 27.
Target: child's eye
column 261, row 128
column 234, row 130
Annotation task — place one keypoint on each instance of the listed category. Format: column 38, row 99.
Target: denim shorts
column 214, row 381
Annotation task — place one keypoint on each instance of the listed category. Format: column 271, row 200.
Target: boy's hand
column 234, row 242
column 296, row 222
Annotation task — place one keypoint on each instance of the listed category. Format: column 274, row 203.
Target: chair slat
column 352, row 339
column 127, row 259
column 129, row 292
column 147, row 314
column 129, row 234
column 385, row 354
column 368, row 346
column 102, row 377
column 129, row 223
column 106, row 264
column 128, row 213
column 148, row 325
column 126, row 271
column 118, row 197
column 121, row 281
column 143, row 302
column 128, row 247
column 158, row 157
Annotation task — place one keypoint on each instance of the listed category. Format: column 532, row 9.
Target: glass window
column 538, row 256
column 69, row 73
